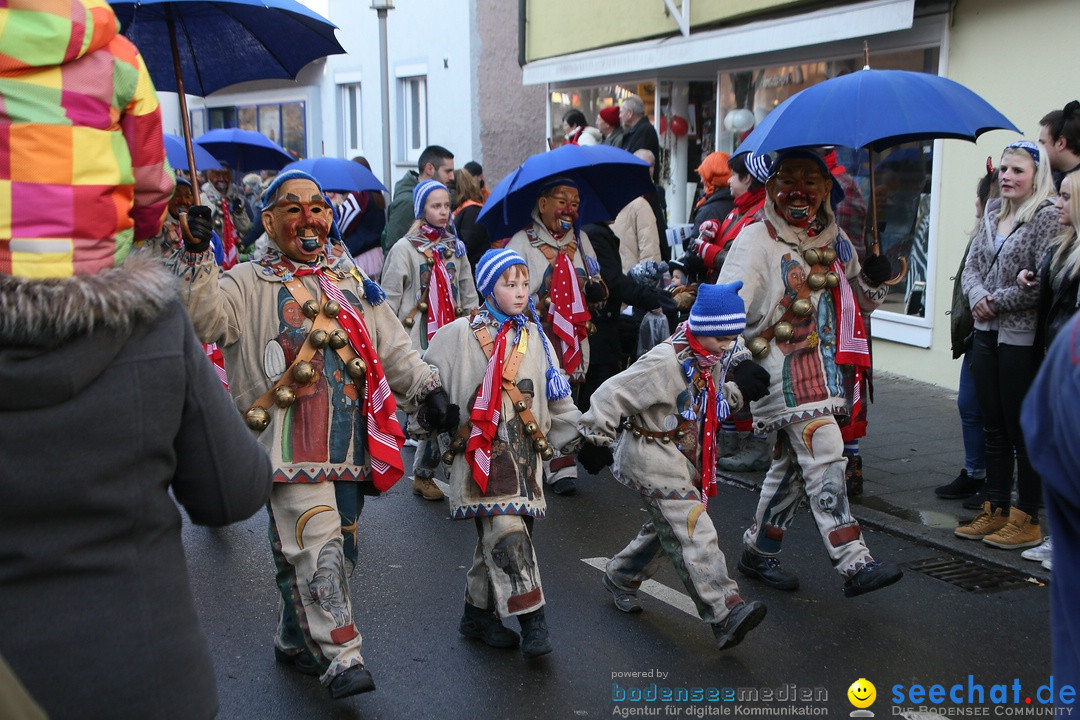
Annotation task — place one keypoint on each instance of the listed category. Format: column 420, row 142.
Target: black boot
column 964, row 486
column 484, row 625
column 534, row 635
column 353, row 681
column 767, row 569
column 873, row 576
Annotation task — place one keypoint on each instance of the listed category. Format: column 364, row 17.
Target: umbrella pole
column 875, row 242
column 183, row 102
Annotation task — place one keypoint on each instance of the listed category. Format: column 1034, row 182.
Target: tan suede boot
column 985, row 523
column 426, row 488
column 1018, row 533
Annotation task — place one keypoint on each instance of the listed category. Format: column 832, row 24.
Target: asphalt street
column 408, row 593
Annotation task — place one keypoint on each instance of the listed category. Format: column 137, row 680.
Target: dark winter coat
column 109, row 409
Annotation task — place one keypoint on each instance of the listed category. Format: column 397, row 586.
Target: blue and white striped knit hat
column 491, row 266
column 718, row 311
column 760, row 166
column 420, row 195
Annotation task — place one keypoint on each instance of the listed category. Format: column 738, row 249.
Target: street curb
column 898, row 527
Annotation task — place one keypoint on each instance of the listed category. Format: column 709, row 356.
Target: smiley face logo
column 862, row 693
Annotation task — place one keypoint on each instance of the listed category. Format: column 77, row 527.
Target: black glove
column 196, row 228
column 667, row 303
column 752, row 379
column 439, row 413
column 594, row 292
column 237, row 206
column 595, row 458
column 694, row 266
column 878, row 269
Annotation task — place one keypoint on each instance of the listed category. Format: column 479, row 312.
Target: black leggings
column 1003, row 374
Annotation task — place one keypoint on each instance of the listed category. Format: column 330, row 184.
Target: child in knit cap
column 428, row 282
column 674, row 398
column 499, row 366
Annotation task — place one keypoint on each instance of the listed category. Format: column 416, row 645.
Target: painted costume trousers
column 810, row 465
column 314, row 551
column 504, row 576
column 682, row 532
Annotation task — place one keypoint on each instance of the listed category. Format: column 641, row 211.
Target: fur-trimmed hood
column 58, row 334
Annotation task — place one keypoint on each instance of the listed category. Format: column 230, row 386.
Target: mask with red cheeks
column 299, row 221
column 559, row 210
column 797, row 189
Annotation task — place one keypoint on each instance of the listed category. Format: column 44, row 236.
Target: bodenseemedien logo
column 861, row 695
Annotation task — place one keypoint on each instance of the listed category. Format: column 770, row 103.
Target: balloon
column 740, row 120
column 663, row 124
column 679, row 126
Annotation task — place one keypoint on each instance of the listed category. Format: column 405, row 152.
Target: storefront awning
column 813, row 28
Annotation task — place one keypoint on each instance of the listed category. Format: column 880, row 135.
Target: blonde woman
column 1013, row 236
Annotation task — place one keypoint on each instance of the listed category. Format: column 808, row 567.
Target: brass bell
column 319, row 339
column 311, row 309
column 831, row 279
column 758, row 347
column 679, row 434
column 531, row 428
column 827, row 256
column 540, row 444
column 783, row 331
column 816, row 280
column 547, row 453
column 665, row 439
column 257, row 418
column 448, row 457
column 448, row 253
column 520, row 406
column 637, row 433
column 649, row 438
column 590, row 328
column 802, row 307
column 459, row 311
column 457, row 444
column 331, row 308
column 423, row 306
column 304, row 372
column 812, row 256
column 284, row 396
column 338, row 339
column 356, row 368
column 408, row 322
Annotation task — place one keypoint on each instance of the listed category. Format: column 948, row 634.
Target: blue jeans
column 971, row 421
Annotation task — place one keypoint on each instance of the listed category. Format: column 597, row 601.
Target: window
column 413, row 105
column 284, row 123
column 352, row 137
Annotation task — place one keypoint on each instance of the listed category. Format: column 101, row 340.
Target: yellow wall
column 559, row 27
column 1022, row 58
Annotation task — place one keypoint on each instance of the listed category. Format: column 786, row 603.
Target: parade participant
column 106, row 399
column 564, row 279
column 428, row 282
column 1013, row 236
column 231, row 221
column 500, row 366
column 804, row 288
column 674, row 397
column 313, row 354
column 169, row 240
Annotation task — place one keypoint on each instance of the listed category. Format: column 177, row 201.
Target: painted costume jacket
column 527, row 243
column 806, row 380
column 656, row 395
column 260, row 328
column 515, row 485
column 407, row 272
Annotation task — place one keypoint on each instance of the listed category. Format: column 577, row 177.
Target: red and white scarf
column 440, row 296
column 486, row 411
column 852, row 347
column 385, row 438
column 710, row 415
column 229, row 238
column 568, row 311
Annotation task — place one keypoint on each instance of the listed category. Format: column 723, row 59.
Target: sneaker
column 766, row 568
column 1018, row 532
column 873, row 576
column 1047, row 564
column 964, row 486
column 564, row 486
column 1040, row 552
column 426, row 488
column 756, row 455
column 535, row 639
column 743, row 618
column 625, row 600
column 983, row 524
column 412, row 442
column 975, row 502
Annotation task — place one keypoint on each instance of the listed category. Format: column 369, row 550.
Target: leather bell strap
column 307, row 350
column 789, row 312
column 665, row 436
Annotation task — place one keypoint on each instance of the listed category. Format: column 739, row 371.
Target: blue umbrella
column 607, row 178
column 876, row 109
column 244, row 149
column 335, row 174
column 223, row 42
column 176, row 152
